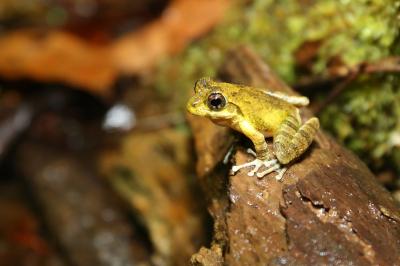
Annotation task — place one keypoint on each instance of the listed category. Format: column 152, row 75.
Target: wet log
column 328, row 210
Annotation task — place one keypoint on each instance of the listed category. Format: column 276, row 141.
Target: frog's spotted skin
column 257, row 113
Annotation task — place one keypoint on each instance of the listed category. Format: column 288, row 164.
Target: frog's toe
column 280, row 174
column 236, row 168
column 250, row 151
column 270, row 168
column 273, row 165
column 269, row 165
column 256, row 164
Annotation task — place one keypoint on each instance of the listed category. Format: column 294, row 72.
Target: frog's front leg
column 264, row 156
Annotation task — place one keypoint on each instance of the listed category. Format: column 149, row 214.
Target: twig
column 346, row 76
column 336, row 91
column 386, row 65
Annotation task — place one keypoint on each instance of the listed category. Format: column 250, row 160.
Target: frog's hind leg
column 292, row 138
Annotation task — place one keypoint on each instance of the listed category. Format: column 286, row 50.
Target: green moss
column 366, row 119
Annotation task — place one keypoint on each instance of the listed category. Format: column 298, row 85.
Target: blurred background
column 96, row 158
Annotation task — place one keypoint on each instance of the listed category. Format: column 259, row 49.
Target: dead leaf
column 56, row 57
column 180, row 23
column 59, row 56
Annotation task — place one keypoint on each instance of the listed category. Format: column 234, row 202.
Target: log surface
column 328, row 210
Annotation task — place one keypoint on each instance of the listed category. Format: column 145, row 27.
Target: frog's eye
column 216, row 101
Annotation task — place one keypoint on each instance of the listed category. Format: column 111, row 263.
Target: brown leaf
column 58, row 56
column 180, row 23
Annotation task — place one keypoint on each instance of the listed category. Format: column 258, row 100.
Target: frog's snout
column 191, row 105
column 194, row 105
column 194, row 101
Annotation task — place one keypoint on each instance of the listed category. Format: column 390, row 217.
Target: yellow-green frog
column 257, row 113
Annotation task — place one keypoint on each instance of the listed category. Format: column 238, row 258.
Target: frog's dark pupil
column 216, row 101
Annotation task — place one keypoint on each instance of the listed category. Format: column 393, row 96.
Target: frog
column 257, row 113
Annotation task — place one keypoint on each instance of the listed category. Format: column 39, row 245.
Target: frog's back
column 263, row 111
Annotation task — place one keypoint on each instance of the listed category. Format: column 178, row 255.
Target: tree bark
column 328, row 209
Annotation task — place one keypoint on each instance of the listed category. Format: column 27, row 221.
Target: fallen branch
column 340, row 77
column 328, row 210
